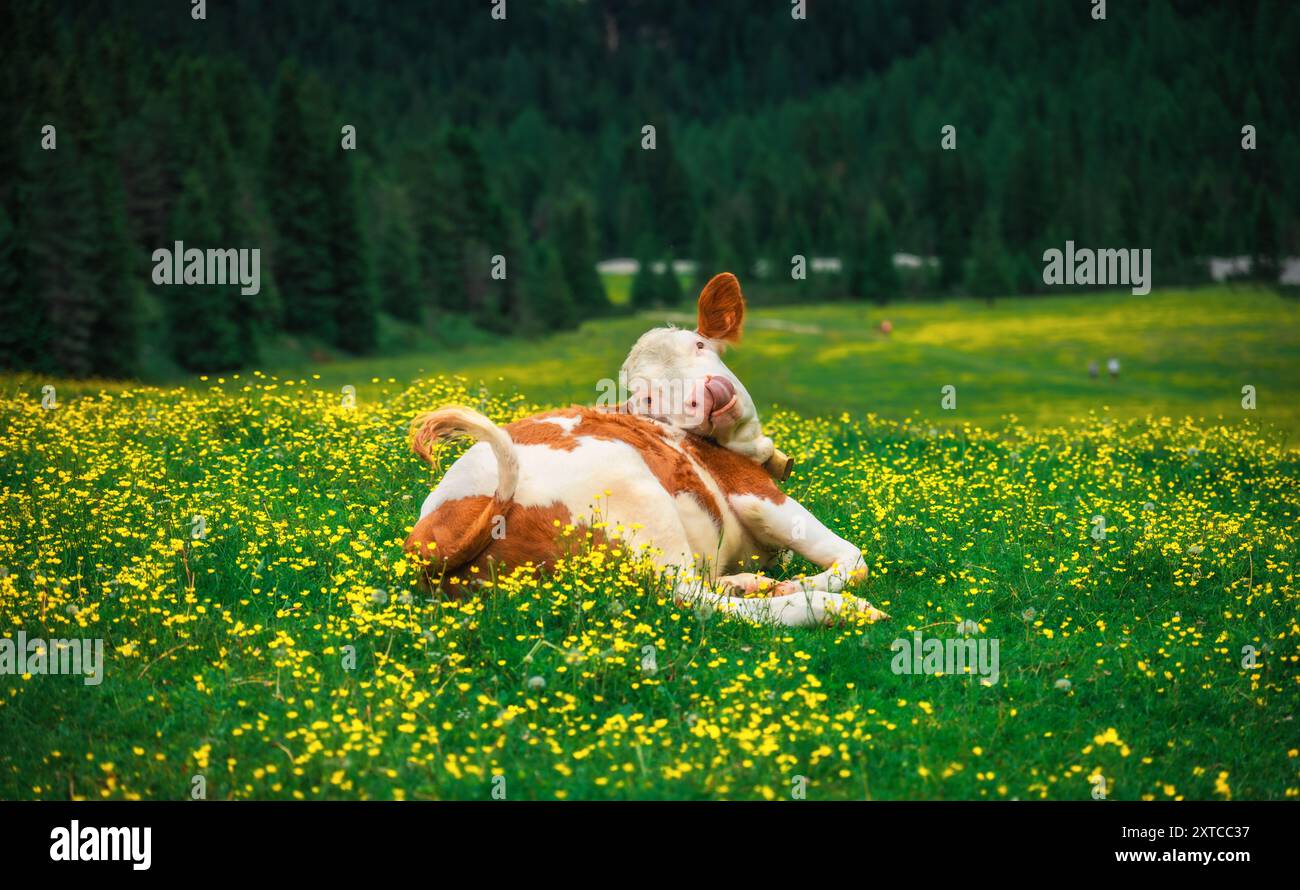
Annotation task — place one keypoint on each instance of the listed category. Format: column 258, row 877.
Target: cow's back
column 593, row 476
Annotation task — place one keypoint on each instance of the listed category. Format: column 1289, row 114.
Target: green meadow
column 284, row 650
column 1182, row 353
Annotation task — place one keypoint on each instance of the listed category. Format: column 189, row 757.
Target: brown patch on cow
column 456, row 532
column 733, row 473
column 532, row 535
column 669, row 465
column 721, row 308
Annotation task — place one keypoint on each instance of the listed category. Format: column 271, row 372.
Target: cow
column 684, row 483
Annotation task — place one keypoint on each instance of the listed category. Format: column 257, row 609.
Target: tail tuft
column 457, row 420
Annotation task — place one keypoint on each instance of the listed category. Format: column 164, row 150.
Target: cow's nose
column 723, row 395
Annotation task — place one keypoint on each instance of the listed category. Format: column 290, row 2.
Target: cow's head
column 678, row 376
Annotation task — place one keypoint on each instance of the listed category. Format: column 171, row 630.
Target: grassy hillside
column 1182, row 353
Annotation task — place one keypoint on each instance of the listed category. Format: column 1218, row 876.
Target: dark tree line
column 496, row 162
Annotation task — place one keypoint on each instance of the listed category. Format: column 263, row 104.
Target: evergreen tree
column 552, row 299
column 668, row 286
column 115, row 326
column 523, row 315
column 1026, row 194
column 674, row 202
column 296, row 186
column 705, row 251
column 355, row 323
column 24, row 334
column 478, row 232
column 214, row 165
column 645, row 285
column 736, row 246
column 24, row 331
column 576, row 242
column 203, row 322
column 953, row 196
column 662, row 186
column 445, row 261
column 224, row 225
column 871, row 271
column 60, row 243
column 399, row 263
column 1264, row 259
column 988, row 273
column 116, row 330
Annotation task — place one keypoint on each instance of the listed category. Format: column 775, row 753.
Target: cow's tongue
column 724, row 400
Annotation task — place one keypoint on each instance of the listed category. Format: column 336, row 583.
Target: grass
column 618, row 287
column 1182, row 353
column 1120, row 658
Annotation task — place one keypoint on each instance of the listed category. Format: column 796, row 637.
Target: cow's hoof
column 868, row 611
column 743, row 583
column 751, row 584
column 839, row 608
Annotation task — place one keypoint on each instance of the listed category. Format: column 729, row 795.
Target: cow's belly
column 720, row 550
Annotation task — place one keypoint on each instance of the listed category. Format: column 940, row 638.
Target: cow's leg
column 803, row 608
column 790, row 526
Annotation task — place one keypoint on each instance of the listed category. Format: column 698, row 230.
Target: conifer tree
column 296, row 183
column 1263, row 231
column 576, row 242
column 871, row 272
column 397, row 252
column 705, row 251
column 645, row 286
column 355, row 321
column 115, row 325
column 988, row 272
column 202, row 319
column 552, row 300
column 60, row 245
column 668, row 285
column 24, row 334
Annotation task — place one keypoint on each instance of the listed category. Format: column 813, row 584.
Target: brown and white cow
column 699, row 508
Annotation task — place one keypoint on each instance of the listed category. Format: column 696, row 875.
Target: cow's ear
column 722, row 308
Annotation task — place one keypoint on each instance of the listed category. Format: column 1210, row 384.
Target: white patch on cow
column 702, row 532
column 576, row 478
column 565, row 423
column 474, row 473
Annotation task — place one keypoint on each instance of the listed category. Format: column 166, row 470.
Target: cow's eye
column 699, row 344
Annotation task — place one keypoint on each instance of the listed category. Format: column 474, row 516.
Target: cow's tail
column 451, row 422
